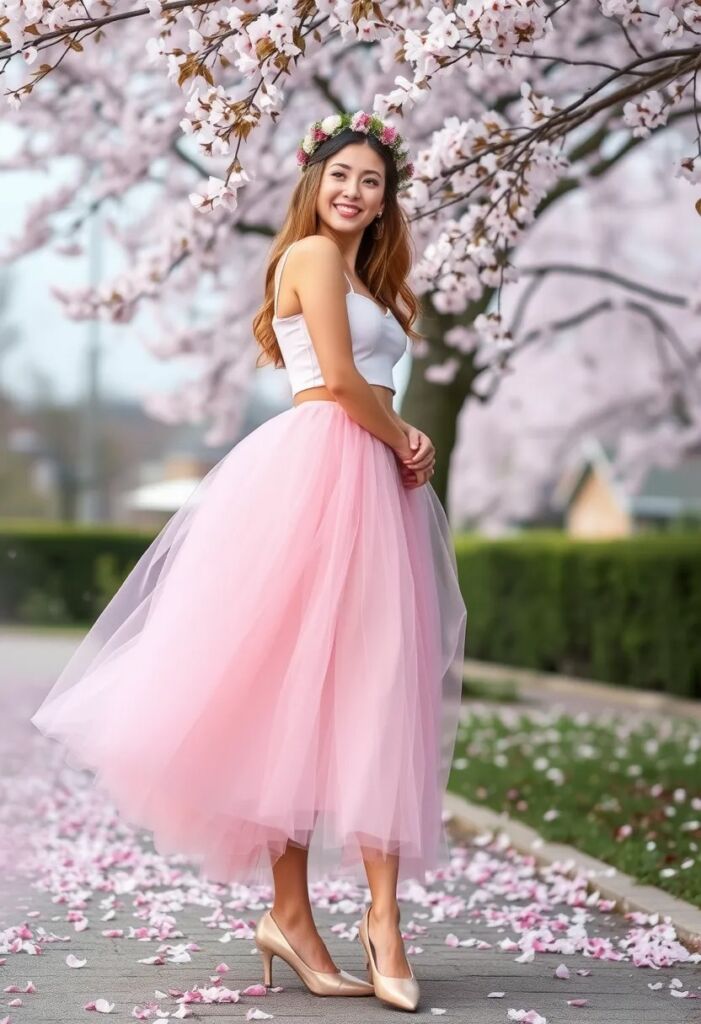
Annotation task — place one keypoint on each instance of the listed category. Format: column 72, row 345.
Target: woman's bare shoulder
column 316, row 247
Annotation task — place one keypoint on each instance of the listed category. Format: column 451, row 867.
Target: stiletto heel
column 400, row 992
column 270, row 942
column 267, row 967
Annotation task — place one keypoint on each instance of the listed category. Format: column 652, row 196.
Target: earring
column 378, row 226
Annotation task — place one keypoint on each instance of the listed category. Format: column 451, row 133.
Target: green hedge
column 623, row 611
column 62, row 574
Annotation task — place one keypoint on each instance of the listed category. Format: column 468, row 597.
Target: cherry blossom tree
column 600, row 352
column 509, row 107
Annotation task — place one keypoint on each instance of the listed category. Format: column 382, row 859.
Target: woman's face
column 354, row 177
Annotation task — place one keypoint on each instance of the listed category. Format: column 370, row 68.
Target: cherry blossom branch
column 94, row 23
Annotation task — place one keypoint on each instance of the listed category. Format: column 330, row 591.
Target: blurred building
column 147, row 468
column 594, row 502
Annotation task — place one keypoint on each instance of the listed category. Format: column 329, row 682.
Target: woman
column 276, row 684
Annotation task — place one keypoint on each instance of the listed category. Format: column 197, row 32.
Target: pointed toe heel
column 271, row 941
column 400, row 992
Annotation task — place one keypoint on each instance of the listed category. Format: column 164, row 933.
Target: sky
column 57, row 346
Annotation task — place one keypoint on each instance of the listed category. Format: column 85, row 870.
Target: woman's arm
column 316, row 269
column 402, row 424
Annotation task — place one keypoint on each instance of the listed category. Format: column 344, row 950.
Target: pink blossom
column 360, row 122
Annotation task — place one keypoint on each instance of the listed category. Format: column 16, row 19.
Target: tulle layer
column 284, row 662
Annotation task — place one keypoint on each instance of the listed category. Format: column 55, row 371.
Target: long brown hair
column 382, row 264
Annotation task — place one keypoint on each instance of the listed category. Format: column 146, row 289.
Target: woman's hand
column 417, row 465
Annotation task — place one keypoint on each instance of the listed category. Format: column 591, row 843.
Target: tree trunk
column 434, row 408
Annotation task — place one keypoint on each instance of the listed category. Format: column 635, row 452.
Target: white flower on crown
column 308, row 144
column 330, row 124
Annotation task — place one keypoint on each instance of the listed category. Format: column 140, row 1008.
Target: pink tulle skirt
column 283, row 663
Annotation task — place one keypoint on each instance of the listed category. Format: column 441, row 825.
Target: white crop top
column 377, row 338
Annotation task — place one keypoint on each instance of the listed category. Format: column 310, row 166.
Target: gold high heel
column 271, row 942
column 400, row 992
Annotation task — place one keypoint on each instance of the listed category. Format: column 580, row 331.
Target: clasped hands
column 416, row 459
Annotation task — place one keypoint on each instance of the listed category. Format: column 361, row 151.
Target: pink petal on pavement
column 73, row 961
column 255, row 1014
column 562, row 971
column 578, row 1002
column 15, row 1002
column 101, row 1005
column 255, row 990
column 222, row 968
column 495, row 995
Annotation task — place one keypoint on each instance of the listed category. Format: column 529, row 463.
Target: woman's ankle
column 385, row 913
column 291, row 914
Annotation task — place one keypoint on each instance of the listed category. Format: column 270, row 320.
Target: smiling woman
column 276, row 684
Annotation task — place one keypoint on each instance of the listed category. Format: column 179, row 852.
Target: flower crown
column 320, row 131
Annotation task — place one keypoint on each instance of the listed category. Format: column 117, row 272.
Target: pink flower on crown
column 319, row 136
column 360, row 121
column 389, row 135
column 302, row 157
column 409, row 170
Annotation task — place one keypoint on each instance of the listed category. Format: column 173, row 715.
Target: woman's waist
column 322, row 394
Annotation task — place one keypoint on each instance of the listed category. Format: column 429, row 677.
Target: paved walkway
column 570, row 695
column 77, row 872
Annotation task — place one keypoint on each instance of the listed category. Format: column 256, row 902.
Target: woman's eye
column 339, row 174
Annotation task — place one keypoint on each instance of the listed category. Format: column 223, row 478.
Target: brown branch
column 605, row 275
column 68, row 29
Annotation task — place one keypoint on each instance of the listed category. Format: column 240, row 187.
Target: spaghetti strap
column 278, row 272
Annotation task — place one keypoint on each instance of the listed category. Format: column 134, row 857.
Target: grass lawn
column 625, row 791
